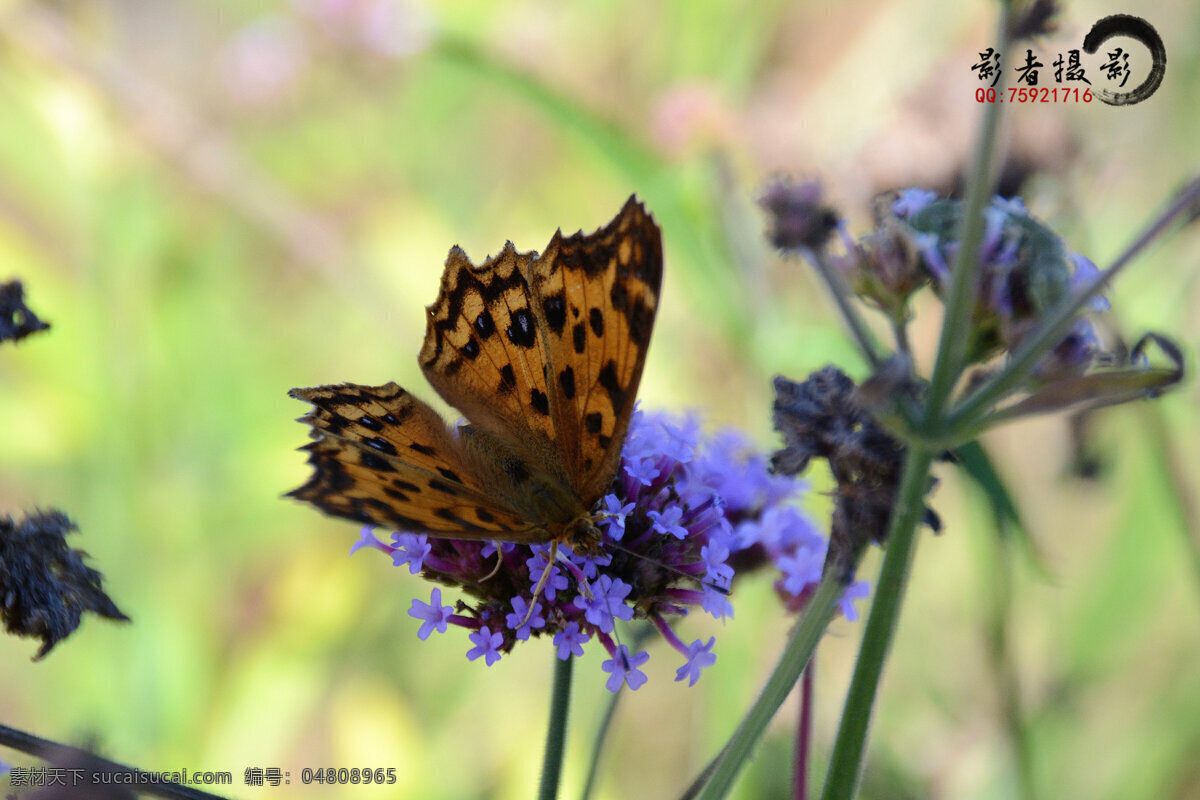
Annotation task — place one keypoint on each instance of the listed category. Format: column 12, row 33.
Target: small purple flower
column 487, row 644
column 624, row 669
column 801, row 568
column 411, row 549
column 1086, row 273
column 642, row 470
column 931, row 254
column 433, row 614
column 716, row 603
column 570, row 641
column 667, row 522
column 853, row 592
column 606, row 602
column 912, row 200
column 366, row 538
column 699, row 658
column 489, row 549
column 615, row 514
column 520, row 611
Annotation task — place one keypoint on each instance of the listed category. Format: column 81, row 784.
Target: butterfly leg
column 541, row 584
column 499, row 564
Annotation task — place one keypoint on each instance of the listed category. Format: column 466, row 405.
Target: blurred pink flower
column 263, row 60
column 389, row 28
column 690, row 115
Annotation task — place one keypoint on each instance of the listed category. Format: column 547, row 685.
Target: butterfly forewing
column 597, row 296
column 483, row 353
column 383, row 457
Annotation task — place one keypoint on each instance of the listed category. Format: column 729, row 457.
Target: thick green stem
column 964, row 276
column 556, row 734
column 846, row 764
column 795, row 657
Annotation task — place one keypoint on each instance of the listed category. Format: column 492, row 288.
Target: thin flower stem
column 845, row 766
column 999, row 568
column 795, row 657
column 60, row 753
column 960, row 304
column 803, row 735
column 1059, row 320
column 841, row 297
column 598, row 746
column 556, row 733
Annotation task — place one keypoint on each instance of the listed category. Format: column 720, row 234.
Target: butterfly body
column 543, row 355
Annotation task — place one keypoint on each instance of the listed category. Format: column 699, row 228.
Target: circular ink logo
column 1141, row 31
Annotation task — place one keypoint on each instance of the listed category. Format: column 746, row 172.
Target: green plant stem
column 601, row 734
column 960, row 305
column 795, row 657
column 1005, row 666
column 845, row 765
column 556, row 733
column 841, row 298
column 1060, row 319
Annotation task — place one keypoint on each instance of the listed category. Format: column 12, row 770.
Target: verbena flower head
column 1025, row 271
column 684, row 508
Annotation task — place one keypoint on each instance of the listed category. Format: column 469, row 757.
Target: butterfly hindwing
column 383, row 457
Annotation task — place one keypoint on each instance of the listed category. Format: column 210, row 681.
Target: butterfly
column 542, row 354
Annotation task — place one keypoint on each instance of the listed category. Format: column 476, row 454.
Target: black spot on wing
column 470, row 349
column 555, row 309
column 484, row 325
column 539, row 401
column 619, row 296
column 579, row 334
column 370, row 423
column 372, row 461
column 422, row 449
column 566, row 380
column 449, row 474
column 593, row 422
column 608, row 380
column 596, row 320
column 381, row 445
column 522, row 331
column 438, row 486
column 508, row 379
column 515, row 469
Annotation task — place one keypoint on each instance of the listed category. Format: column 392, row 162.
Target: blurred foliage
column 215, row 201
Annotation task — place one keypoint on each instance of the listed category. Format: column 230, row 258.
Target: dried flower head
column 798, row 215
column 16, row 320
column 823, row 418
column 45, row 587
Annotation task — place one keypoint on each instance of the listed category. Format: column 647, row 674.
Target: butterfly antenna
column 705, row 582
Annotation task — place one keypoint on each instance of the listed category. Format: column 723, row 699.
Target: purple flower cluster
column 1025, row 270
column 684, row 512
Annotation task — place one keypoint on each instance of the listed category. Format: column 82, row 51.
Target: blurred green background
column 214, row 201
